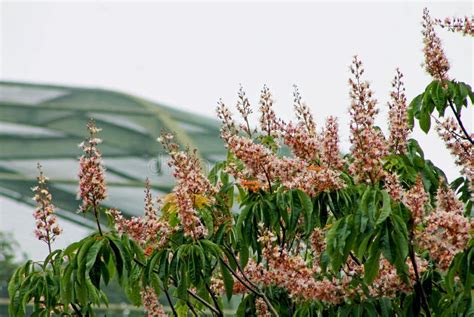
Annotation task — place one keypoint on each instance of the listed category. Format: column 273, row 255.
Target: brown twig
column 257, row 292
column 458, row 118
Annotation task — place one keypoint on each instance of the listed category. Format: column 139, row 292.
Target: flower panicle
column 363, row 104
column 190, row 181
column 186, row 167
column 416, row 199
column 303, row 113
column 228, row 127
column 245, row 110
column 47, row 228
column 92, row 185
column 301, row 143
column 330, row 154
column 463, row 25
column 243, row 104
column 397, row 116
column 459, row 147
column 152, row 306
column 150, row 209
column 446, row 231
column 255, row 157
column 269, row 123
column 436, row 64
column 302, row 137
column 393, row 186
column 150, row 231
column 368, row 145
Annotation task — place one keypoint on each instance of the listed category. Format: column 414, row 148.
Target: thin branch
column 257, row 292
column 170, row 302
column 239, row 278
column 424, row 301
column 268, row 178
column 205, row 303
column 239, row 267
column 189, row 291
column 74, row 307
column 214, row 299
column 191, row 307
column 458, row 118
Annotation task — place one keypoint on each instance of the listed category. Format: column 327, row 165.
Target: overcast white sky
column 190, row 55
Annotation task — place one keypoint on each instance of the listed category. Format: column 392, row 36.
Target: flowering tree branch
column 458, row 118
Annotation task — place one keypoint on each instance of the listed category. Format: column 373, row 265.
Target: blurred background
column 140, row 67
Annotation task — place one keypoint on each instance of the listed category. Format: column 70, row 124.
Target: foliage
column 379, row 231
column 8, row 260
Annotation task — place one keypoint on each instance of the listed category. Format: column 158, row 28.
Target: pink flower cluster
column 269, row 122
column 317, row 161
column 436, row 63
column 368, row 143
column 304, row 141
column 303, row 113
column 388, row 283
column 190, row 182
column 463, row 25
column 398, row 120
column 291, row 272
column 228, row 127
column 330, row 154
column 150, row 232
column 217, row 284
column 267, row 168
column 261, row 308
column 392, row 186
column 244, row 108
column 416, row 199
column 304, row 283
column 452, row 135
column 151, row 304
column 302, row 138
column 47, row 228
column 92, row 187
column 303, row 145
column 447, row 231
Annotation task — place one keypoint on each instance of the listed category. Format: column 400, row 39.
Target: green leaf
column 183, row 282
column 363, row 246
column 425, row 120
column 132, row 289
column 242, row 217
column 338, row 244
column 92, row 253
column 386, row 208
column 228, row 280
column 438, row 95
column 371, row 266
column 389, row 251
column 462, row 92
column 414, row 109
column 305, row 201
column 194, row 265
